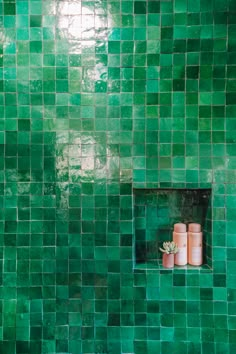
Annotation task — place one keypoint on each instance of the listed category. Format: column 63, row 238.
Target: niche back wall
column 98, row 98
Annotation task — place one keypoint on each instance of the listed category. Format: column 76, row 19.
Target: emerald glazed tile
column 97, row 99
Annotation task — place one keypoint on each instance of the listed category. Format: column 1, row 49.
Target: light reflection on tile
column 98, row 97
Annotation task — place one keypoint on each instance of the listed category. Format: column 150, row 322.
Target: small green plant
column 169, row 247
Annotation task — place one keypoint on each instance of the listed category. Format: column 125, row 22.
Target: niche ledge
column 155, row 213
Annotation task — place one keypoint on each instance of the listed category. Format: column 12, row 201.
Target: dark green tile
column 97, row 99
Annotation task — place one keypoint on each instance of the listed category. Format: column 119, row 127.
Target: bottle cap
column 180, row 227
column 193, row 227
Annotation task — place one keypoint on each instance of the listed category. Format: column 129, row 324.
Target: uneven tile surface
column 98, row 98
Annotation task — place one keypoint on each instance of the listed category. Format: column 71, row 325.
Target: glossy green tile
column 97, row 99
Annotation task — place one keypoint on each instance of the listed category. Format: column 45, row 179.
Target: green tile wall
column 97, row 98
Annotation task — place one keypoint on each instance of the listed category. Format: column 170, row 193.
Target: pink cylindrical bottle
column 180, row 237
column 194, row 244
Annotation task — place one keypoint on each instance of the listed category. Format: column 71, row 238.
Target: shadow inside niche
column 157, row 210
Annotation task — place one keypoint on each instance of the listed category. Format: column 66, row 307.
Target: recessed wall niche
column 155, row 213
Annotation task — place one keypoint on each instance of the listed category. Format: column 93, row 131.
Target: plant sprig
column 169, row 247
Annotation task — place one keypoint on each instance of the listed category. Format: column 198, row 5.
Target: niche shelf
column 155, row 213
